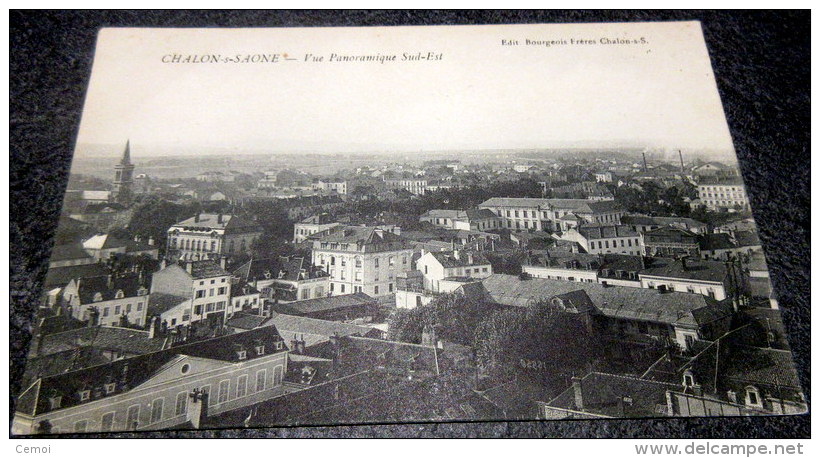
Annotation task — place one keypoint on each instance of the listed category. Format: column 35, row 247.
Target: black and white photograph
column 273, row 227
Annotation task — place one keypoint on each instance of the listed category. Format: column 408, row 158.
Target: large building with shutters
column 210, row 236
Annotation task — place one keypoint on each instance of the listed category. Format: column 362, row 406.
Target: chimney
column 197, row 411
column 151, row 241
column 196, row 218
column 683, row 263
column 189, row 266
column 697, row 389
column 110, row 280
column 152, row 327
column 577, row 388
column 219, row 218
column 136, row 238
column 681, row 162
column 732, row 396
column 645, row 169
column 469, row 258
column 223, row 262
column 300, row 345
column 456, row 254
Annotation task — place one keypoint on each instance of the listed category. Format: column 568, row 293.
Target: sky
column 481, row 94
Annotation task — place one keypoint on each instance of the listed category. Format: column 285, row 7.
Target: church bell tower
column 123, row 178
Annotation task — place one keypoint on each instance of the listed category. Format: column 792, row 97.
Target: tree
column 453, row 316
column 539, row 342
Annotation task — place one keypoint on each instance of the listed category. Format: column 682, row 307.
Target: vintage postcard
column 275, row 227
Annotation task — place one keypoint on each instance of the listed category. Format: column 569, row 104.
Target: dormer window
column 260, row 350
column 279, row 345
column 688, row 379
column 110, row 387
column 753, row 397
column 97, row 297
column 55, row 402
column 241, row 354
column 142, row 291
column 119, row 294
column 85, row 395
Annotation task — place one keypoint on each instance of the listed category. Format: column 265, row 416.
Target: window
column 224, row 386
column 376, row 262
column 277, row 375
column 390, row 287
column 200, row 294
column 241, row 354
column 156, row 410
column 110, row 387
column 260, row 379
column 391, row 261
column 375, row 290
column 182, row 403
column 105, row 311
column 222, row 290
column 107, row 422
column 55, row 402
column 117, row 309
column 133, row 417
column 211, row 292
column 242, row 386
column 753, row 396
column 85, row 395
column 341, row 287
column 80, row 426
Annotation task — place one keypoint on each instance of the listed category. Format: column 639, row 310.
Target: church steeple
column 123, row 177
column 126, row 155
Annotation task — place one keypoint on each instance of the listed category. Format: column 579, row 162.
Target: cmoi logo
column 32, row 450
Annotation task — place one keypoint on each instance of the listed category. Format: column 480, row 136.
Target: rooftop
column 128, row 373
column 216, row 221
column 61, row 276
column 124, row 340
column 613, row 301
column 322, row 304
column 606, row 232
column 68, row 252
column 692, row 269
column 616, row 396
column 108, row 286
column 575, row 205
column 371, row 238
column 457, row 258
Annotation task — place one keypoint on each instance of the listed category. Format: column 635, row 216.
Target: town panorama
column 273, row 290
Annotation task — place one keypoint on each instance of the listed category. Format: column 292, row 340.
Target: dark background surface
column 761, row 61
